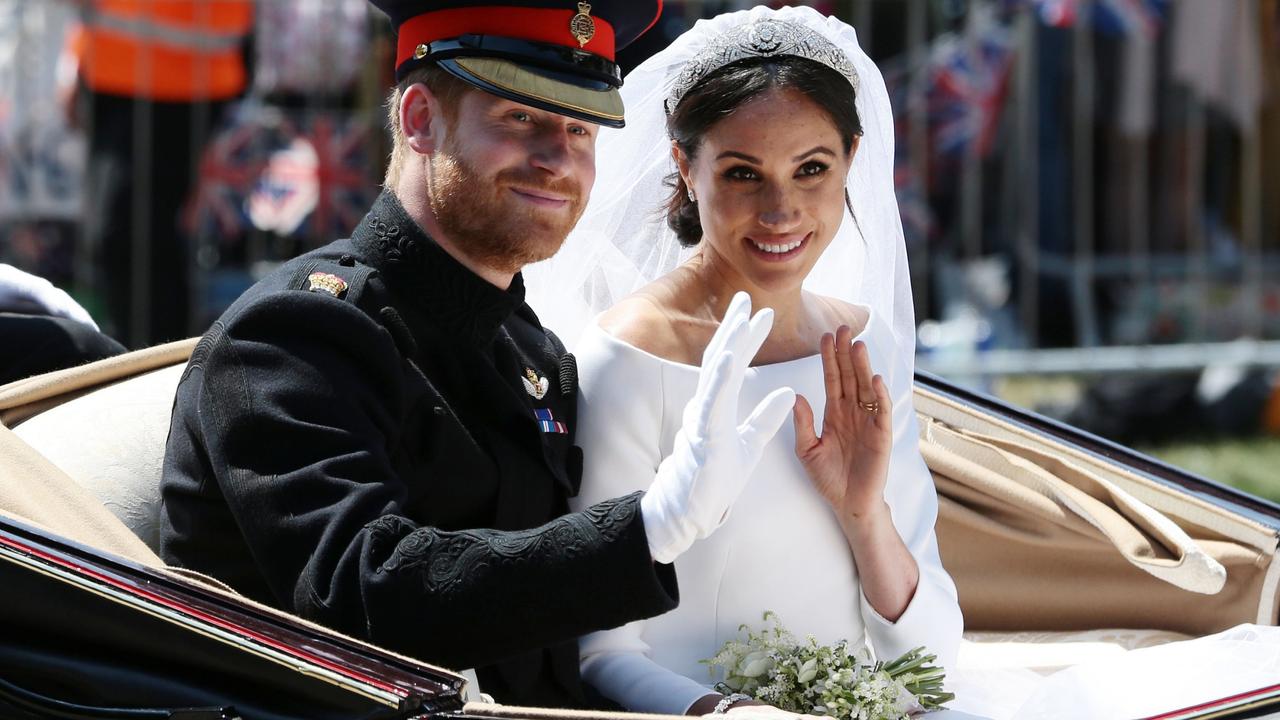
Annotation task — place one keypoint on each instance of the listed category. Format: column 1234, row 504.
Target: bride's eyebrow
column 753, row 159
column 812, row 151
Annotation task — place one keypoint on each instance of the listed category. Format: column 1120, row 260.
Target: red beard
column 493, row 226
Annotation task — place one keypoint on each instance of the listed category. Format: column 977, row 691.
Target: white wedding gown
column 781, row 548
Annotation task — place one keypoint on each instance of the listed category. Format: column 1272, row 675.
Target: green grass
column 1251, row 464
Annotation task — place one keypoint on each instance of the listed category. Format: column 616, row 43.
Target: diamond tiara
column 761, row 38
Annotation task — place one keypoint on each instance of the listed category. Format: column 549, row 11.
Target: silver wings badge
column 534, row 385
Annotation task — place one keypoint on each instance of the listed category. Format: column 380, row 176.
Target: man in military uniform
column 379, row 435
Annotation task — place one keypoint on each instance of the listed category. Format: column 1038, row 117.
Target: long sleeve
column 781, row 550
column 301, row 405
column 620, row 420
column 932, row 618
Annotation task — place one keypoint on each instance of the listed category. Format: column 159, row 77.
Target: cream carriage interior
column 1065, row 549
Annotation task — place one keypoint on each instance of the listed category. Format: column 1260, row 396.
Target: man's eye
column 521, row 116
column 578, row 130
column 740, row 173
column 813, row 168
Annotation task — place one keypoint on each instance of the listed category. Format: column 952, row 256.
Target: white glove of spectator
column 713, row 456
column 22, row 292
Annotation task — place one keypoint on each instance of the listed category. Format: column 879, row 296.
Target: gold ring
column 871, row 407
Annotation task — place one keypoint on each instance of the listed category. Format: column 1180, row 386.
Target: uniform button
column 347, row 261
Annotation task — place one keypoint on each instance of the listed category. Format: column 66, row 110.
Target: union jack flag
column 228, row 167
column 1114, row 17
column 966, row 80
column 303, row 175
column 967, row 84
column 341, row 174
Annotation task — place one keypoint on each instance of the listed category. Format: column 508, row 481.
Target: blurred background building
column 1090, row 188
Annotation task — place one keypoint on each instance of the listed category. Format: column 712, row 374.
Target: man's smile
column 541, row 198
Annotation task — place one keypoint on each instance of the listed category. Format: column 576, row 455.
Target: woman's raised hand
column 849, row 464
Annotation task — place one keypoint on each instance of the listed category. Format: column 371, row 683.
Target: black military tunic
column 377, row 439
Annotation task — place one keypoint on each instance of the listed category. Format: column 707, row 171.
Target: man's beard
column 492, row 226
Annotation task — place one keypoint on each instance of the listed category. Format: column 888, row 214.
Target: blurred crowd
column 157, row 157
column 159, row 136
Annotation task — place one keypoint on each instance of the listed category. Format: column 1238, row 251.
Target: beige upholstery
column 36, row 492
column 1037, row 535
column 1042, row 536
column 35, row 486
column 122, row 466
column 1045, row 489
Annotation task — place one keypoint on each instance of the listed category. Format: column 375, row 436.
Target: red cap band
column 536, row 24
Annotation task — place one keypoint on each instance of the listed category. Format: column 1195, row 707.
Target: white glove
column 713, row 456
column 22, row 292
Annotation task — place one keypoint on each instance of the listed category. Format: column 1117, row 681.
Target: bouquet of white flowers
column 830, row 680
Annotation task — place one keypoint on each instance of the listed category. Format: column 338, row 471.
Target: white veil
column 622, row 241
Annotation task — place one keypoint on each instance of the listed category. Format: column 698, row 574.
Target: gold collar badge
column 534, row 385
column 327, row 283
column 583, row 26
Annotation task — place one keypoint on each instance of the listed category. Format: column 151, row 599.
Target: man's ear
column 422, row 119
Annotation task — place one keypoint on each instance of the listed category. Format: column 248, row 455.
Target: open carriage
column 1067, row 551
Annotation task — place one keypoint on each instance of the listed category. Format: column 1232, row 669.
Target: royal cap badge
column 328, row 283
column 583, row 26
column 534, row 385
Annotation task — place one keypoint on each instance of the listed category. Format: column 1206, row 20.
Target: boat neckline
column 595, row 327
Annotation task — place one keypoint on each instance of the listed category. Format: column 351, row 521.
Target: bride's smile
column 778, row 248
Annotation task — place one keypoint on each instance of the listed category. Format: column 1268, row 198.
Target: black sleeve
column 301, row 398
column 35, row 344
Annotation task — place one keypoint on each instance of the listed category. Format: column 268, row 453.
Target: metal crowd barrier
column 1192, row 238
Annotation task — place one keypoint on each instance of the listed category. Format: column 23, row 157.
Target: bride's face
column 769, row 182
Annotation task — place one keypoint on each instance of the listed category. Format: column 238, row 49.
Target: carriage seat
column 111, row 441
column 105, row 426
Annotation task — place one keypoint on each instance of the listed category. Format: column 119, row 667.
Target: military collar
column 461, row 302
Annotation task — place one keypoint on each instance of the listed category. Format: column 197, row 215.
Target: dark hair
column 726, row 89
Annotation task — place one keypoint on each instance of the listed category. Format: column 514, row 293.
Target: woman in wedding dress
column 781, row 145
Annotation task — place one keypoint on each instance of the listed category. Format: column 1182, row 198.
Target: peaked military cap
column 556, row 56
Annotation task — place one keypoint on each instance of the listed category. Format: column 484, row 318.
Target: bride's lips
column 778, row 248
column 541, row 198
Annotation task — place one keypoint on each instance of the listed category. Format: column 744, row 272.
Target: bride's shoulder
column 838, row 312
column 649, row 321
column 640, row 322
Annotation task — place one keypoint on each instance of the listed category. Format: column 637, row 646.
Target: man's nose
column 552, row 153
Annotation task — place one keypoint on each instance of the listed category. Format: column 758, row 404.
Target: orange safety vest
column 166, row 50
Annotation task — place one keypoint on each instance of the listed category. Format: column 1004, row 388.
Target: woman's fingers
column 830, row 367
column 884, row 416
column 844, row 358
column 861, row 371
column 806, row 438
